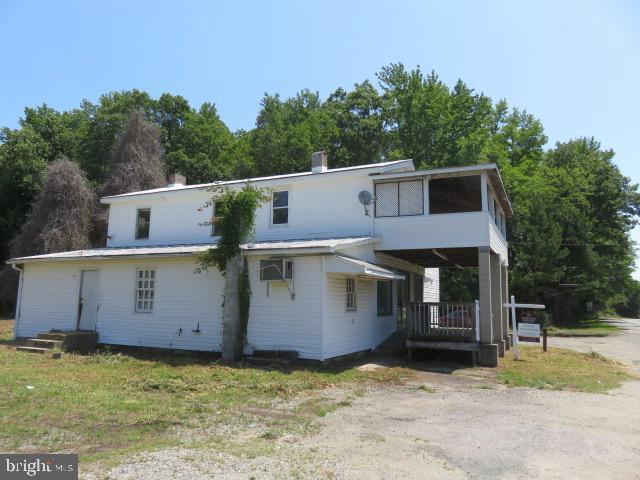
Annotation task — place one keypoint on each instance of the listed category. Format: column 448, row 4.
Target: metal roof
column 315, row 245
column 382, row 167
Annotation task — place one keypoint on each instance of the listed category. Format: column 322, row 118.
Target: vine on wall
column 234, row 220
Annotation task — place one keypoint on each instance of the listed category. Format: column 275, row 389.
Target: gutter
column 18, row 300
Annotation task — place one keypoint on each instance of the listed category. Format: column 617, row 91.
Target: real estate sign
column 528, row 328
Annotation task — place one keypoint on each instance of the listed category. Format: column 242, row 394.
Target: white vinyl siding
column 431, row 285
column 279, row 322
column 353, row 331
column 184, row 301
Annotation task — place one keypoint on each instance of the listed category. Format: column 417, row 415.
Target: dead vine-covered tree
column 137, row 159
column 60, row 220
column 136, row 163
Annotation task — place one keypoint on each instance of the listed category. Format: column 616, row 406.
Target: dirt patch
column 444, row 423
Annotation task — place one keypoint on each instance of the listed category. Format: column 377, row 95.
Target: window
column 145, row 290
column 385, row 298
column 213, row 223
column 399, row 199
column 143, row 221
column 351, row 293
column 455, row 194
column 496, row 212
column 280, row 208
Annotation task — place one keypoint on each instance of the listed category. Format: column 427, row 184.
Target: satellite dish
column 366, row 199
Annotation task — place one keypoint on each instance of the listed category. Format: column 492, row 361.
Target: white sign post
column 514, row 323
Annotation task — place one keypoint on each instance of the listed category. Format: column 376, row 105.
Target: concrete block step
column 51, row 336
column 33, row 349
column 44, row 343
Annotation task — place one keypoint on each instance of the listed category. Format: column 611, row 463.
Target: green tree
column 358, row 115
column 23, row 158
column 431, row 124
column 287, row 132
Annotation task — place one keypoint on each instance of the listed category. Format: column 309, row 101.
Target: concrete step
column 44, row 343
column 33, row 349
column 51, row 336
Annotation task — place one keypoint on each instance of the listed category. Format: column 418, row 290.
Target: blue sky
column 573, row 64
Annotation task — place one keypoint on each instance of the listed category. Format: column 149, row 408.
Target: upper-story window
column 143, row 221
column 399, row 199
column 455, row 194
column 280, row 208
column 214, row 208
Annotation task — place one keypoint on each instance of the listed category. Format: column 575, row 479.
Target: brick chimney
column 319, row 162
column 177, row 180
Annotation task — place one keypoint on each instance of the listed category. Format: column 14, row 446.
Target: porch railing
column 442, row 320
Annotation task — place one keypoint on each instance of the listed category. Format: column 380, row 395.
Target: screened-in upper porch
column 463, row 207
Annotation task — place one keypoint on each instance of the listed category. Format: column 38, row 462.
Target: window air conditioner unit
column 276, row 269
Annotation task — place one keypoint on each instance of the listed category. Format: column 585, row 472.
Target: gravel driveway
column 448, row 426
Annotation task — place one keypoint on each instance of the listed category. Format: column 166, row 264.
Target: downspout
column 18, row 300
column 323, row 307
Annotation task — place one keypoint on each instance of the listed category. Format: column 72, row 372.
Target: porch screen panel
column 387, row 199
column 411, row 197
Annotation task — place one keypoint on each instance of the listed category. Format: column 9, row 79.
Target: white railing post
column 478, row 321
column 514, row 327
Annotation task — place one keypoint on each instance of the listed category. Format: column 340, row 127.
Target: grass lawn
column 587, row 328
column 560, row 369
column 107, row 404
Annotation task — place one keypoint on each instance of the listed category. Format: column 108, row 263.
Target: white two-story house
column 341, row 259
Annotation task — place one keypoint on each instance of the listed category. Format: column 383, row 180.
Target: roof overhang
column 280, row 247
column 360, row 268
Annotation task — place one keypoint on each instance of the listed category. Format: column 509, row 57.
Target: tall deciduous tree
column 287, row 132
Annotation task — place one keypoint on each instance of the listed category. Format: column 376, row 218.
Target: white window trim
column 354, row 294
column 135, row 288
column 276, row 190
column 135, row 225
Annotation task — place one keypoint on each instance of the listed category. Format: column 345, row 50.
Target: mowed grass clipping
column 109, row 403
column 560, row 369
column 586, row 328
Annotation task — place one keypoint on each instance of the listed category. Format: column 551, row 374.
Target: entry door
column 402, row 296
column 88, row 300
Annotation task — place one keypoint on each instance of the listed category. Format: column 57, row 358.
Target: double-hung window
column 143, row 221
column 351, row 293
column 280, row 208
column 145, row 289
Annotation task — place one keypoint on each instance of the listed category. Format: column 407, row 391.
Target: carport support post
column 496, row 302
column 505, row 310
column 488, row 351
column 231, row 347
